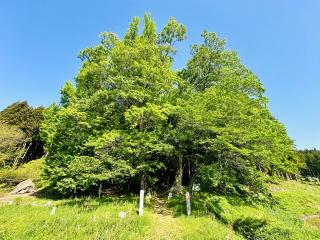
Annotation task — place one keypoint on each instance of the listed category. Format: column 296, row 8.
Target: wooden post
column 141, row 203
column 188, row 203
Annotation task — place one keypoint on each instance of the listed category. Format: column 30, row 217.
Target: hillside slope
column 86, row 218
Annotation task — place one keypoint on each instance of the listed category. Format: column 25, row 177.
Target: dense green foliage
column 311, row 160
column 251, row 228
column 132, row 121
column 12, row 142
column 10, row 177
column 26, row 119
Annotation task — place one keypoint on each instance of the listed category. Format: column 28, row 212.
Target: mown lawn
column 87, row 218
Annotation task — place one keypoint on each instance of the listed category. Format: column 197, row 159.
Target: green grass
column 294, row 200
column 88, row 218
column 28, row 218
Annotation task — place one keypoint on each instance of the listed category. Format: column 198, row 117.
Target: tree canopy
column 26, row 119
column 311, row 160
column 133, row 121
column 12, row 141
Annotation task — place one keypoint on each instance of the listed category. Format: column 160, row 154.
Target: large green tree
column 240, row 142
column 132, row 121
column 111, row 127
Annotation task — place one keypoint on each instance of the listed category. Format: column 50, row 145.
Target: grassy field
column 87, row 218
column 29, row 218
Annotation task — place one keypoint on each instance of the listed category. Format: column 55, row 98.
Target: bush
column 312, row 180
column 202, row 204
column 257, row 229
column 10, row 177
column 229, row 181
column 251, row 228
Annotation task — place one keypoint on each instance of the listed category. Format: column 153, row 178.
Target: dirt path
column 165, row 225
column 6, row 199
column 160, row 207
column 9, row 198
column 312, row 216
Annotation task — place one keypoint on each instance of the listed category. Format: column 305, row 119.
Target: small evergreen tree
column 12, row 142
column 28, row 120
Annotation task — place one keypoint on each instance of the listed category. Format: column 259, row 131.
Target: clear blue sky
column 279, row 40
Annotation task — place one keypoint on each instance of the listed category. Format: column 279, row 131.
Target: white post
column 100, row 190
column 141, row 202
column 188, row 203
column 53, row 211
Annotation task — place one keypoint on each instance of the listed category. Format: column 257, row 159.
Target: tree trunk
column 178, row 180
column 142, row 182
column 17, row 159
column 190, row 178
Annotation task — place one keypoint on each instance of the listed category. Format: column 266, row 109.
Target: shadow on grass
column 201, row 205
column 207, row 204
column 51, row 194
column 85, row 202
column 48, row 193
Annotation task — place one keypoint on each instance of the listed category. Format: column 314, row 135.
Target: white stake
column 188, row 203
column 53, row 211
column 100, row 190
column 141, row 203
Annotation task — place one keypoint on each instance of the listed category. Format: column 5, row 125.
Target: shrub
column 202, row 204
column 251, row 228
column 258, row 229
column 10, row 177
